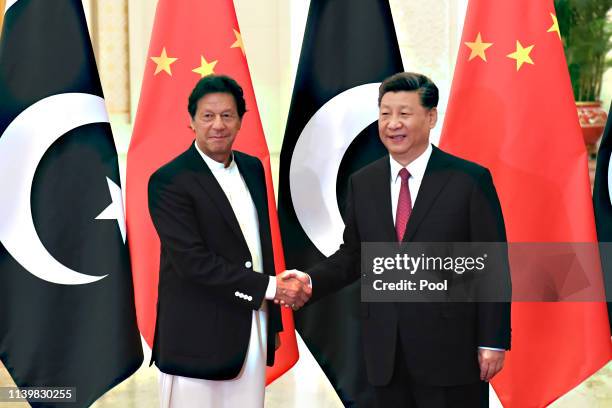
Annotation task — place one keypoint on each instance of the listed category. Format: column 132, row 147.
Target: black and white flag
column 349, row 47
column 67, row 315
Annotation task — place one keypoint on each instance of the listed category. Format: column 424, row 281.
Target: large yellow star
column 238, row 43
column 163, row 62
column 554, row 28
column 478, row 48
column 521, row 55
column 205, row 68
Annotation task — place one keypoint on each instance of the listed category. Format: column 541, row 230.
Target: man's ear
column 433, row 117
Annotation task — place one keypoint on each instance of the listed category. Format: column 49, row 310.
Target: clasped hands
column 293, row 289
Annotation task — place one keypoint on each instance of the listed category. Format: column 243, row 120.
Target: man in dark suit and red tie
column 425, row 355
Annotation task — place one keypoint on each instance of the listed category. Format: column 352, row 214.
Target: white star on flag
column 114, row 211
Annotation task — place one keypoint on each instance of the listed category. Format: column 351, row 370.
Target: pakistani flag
column 602, row 202
column 66, row 299
column 349, row 47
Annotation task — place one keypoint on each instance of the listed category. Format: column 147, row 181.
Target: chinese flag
column 511, row 109
column 190, row 39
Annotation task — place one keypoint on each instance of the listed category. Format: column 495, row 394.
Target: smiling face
column 404, row 125
column 216, row 123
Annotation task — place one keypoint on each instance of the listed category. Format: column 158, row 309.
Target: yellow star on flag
column 521, row 55
column 478, row 48
column 238, row 43
column 205, row 68
column 554, row 28
column 163, row 62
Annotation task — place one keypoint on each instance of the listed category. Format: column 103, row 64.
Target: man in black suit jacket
column 215, row 318
column 426, row 355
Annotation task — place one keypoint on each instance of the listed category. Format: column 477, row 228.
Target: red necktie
column 404, row 206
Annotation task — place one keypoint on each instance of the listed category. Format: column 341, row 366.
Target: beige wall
column 2, row 13
column 112, row 52
column 141, row 14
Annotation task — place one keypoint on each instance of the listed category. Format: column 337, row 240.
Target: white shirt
column 237, row 193
column 416, row 168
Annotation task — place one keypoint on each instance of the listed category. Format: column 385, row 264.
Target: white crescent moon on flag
column 316, row 160
column 22, row 146
column 8, row 4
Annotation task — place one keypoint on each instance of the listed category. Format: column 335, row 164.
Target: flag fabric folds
column 602, row 203
column 67, row 315
column 511, row 109
column 190, row 40
column 348, row 49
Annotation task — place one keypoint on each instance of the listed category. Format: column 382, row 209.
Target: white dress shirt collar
column 416, row 168
column 417, row 171
column 213, row 164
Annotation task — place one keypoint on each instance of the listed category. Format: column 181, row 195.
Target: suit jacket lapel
column 254, row 185
column 433, row 182
column 209, row 183
column 383, row 190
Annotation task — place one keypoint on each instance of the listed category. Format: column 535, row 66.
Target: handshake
column 293, row 289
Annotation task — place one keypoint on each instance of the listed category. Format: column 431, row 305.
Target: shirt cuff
column 271, row 290
column 490, row 348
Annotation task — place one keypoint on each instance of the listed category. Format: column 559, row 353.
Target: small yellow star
column 521, row 55
column 205, row 68
column 163, row 62
column 238, row 43
column 554, row 28
column 478, row 48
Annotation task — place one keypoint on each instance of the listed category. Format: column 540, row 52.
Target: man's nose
column 394, row 123
column 218, row 122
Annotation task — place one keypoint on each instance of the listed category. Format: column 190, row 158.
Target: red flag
column 511, row 109
column 190, row 40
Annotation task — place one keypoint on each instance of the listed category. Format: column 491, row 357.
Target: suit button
column 248, row 264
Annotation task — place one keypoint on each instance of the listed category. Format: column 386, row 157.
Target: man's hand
column 294, row 273
column 292, row 289
column 491, row 362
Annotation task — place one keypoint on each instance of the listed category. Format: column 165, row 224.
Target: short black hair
column 216, row 84
column 411, row 81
